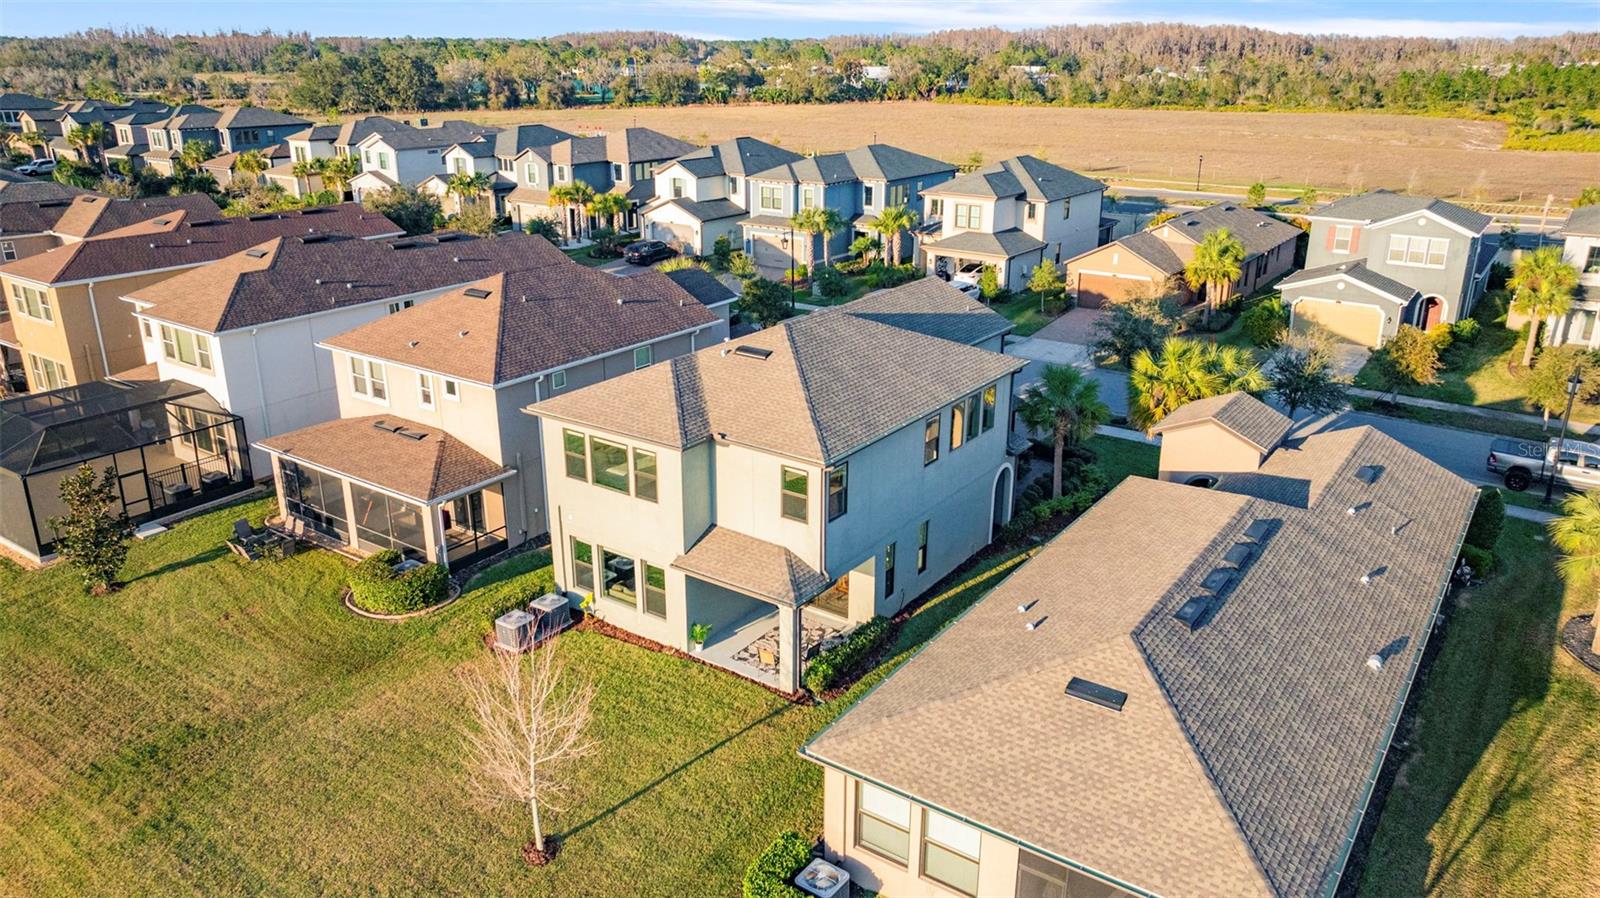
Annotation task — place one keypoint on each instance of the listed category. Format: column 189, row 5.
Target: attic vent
column 204, row 224
column 403, row 244
column 476, row 292
column 313, row 211
column 266, row 216
column 1194, row 612
column 1260, row 529
column 400, row 430
column 256, row 253
column 54, row 204
column 314, row 238
column 1219, row 580
column 1262, row 224
column 163, row 222
column 413, row 344
column 1230, row 208
column 447, row 237
column 1369, row 474
column 1240, row 554
column 753, row 352
column 1096, row 694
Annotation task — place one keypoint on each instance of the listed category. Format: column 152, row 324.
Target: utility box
column 552, row 613
column 513, row 631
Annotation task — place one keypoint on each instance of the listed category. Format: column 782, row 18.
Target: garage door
column 1095, row 290
column 767, row 251
column 1357, row 323
column 679, row 235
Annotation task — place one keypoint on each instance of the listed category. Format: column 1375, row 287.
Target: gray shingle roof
column 1020, row 176
column 1584, row 220
column 1253, row 420
column 1259, row 233
column 644, row 145
column 708, row 210
column 741, row 156
column 931, row 307
column 702, row 285
column 426, row 469
column 873, row 162
column 1240, row 759
column 1358, row 272
column 752, row 566
column 1007, row 243
column 20, row 101
column 446, row 133
column 1382, row 205
column 1152, row 249
column 26, row 190
column 514, row 139
column 799, row 388
column 257, row 117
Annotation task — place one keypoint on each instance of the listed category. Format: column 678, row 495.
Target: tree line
column 1546, row 82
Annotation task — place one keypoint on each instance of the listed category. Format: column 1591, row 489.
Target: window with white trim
column 401, row 306
column 771, row 197
column 46, row 374
column 8, row 251
column 558, row 380
column 1343, row 236
column 530, row 174
column 950, row 852
column 424, row 390
column 1418, row 252
column 561, row 173
column 186, row 347
column 452, row 390
column 367, row 379
column 677, row 188
column 935, row 208
column 867, row 196
column 32, row 302
column 969, row 215
column 144, row 325
column 642, row 357
column 883, row 823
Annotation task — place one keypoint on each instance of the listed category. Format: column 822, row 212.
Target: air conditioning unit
column 552, row 613
column 513, row 631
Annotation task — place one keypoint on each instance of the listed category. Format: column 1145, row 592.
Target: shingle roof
column 752, row 566
column 91, row 216
column 795, row 389
column 317, row 132
column 579, row 150
column 1253, row 420
column 285, row 277
column 702, row 285
column 1584, row 220
column 20, row 101
column 172, row 240
column 1382, row 205
column 931, row 307
column 1259, row 233
column 356, row 130
column 516, row 138
column 707, row 210
column 450, row 131
column 423, row 469
column 1005, row 244
column 1241, row 756
column 1152, row 249
column 256, row 117
column 1358, row 272
column 25, row 190
column 532, row 320
column 740, row 156
column 883, row 162
column 1024, row 176
column 644, row 145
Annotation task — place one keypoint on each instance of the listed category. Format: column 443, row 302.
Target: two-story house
column 13, row 104
column 857, row 184
column 1012, row 215
column 30, row 228
column 783, row 486
column 1382, row 259
column 407, row 155
column 1188, row 692
column 499, row 156
column 634, row 154
column 130, row 136
column 66, row 305
column 167, row 137
column 1581, row 250
column 703, row 195
column 1153, row 260
column 431, row 454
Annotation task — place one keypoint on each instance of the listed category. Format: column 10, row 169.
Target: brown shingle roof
column 93, row 216
column 174, row 240
column 752, row 566
column 423, row 469
column 1254, row 421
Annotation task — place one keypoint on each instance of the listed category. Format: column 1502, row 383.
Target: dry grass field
column 1334, row 151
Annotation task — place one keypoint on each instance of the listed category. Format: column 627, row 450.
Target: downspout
column 94, row 311
column 261, row 384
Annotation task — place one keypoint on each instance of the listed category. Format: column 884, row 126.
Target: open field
column 1331, row 150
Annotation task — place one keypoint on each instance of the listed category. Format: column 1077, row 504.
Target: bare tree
column 531, row 726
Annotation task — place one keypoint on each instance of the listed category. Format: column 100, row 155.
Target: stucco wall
column 1205, row 448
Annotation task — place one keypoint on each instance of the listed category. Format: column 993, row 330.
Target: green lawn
column 1499, row 796
column 1022, row 309
column 582, row 256
column 1120, row 458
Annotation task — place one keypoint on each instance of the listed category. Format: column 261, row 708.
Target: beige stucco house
column 1190, row 692
column 781, row 487
column 431, row 454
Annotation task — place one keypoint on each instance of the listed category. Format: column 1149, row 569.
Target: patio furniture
column 253, row 545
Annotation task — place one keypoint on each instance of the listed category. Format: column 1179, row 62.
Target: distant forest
column 1542, row 84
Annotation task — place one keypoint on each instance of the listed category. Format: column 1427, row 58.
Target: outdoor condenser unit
column 513, row 631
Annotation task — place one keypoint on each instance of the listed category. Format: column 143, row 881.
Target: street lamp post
column 1573, row 383
column 1197, row 169
column 788, row 244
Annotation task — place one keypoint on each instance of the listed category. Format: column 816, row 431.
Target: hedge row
column 830, row 667
column 375, row 587
column 771, row 874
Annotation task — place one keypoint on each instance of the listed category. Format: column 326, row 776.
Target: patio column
column 789, row 662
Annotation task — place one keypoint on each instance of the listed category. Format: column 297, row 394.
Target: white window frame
column 561, row 174
column 867, row 196
column 969, row 216
column 425, row 395
column 364, row 374
column 31, row 302
column 8, row 251
column 1418, row 252
column 47, row 373
column 401, row 305
column 679, row 187
column 172, row 339
column 649, row 357
column 1344, row 237
column 452, row 389
column 558, row 380
column 775, row 193
column 942, row 831
column 886, row 808
column 530, row 173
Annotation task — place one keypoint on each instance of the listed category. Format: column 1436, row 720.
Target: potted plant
column 698, row 633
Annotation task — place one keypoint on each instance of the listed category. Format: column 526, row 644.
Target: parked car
column 37, row 167
column 644, row 252
column 963, row 277
column 1522, row 463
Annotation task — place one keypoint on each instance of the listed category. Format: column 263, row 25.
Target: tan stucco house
column 1189, row 693
column 780, row 488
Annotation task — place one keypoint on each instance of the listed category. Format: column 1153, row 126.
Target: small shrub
column 1467, row 330
column 884, row 276
column 699, row 633
column 772, row 873
column 1482, row 561
column 1442, row 336
column 989, row 284
column 740, row 265
column 828, row 669
column 721, row 253
column 1487, row 519
column 1265, row 322
column 830, row 283
column 375, row 587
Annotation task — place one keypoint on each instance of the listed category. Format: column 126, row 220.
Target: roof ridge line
column 805, row 391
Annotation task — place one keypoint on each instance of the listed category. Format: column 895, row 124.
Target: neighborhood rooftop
column 418, row 461
column 1264, row 633
column 1583, row 222
column 1356, row 271
column 931, row 307
column 1020, row 176
column 741, row 156
column 789, row 389
column 1382, row 205
column 1253, row 421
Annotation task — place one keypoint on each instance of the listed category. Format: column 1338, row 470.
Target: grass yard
column 1499, row 796
column 1022, row 310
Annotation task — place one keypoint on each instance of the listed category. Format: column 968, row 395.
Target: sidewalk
column 1578, row 428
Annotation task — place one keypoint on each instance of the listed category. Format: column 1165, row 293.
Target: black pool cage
column 171, row 446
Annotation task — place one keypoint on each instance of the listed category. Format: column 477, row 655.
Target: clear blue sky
column 789, row 18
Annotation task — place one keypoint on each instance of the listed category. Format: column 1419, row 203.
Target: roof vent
column 188, row 241
column 1219, row 580
column 163, row 221
column 455, row 258
column 314, row 238
column 316, row 210
column 403, row 244
column 1230, row 208
column 447, row 237
column 350, row 285
column 1240, row 554
column 1096, row 694
column 476, row 292
column 752, row 352
column 257, row 253
column 1369, row 474
column 152, row 246
column 412, row 344
column 1036, row 624
column 462, row 333
column 319, row 282
column 1260, row 529
column 1194, row 612
column 1375, row 661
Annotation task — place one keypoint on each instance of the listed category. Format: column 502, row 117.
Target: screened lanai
column 171, row 446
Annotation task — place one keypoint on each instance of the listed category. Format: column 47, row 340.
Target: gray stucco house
column 1382, row 259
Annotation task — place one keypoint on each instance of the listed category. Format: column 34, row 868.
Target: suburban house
column 782, row 487
column 66, row 305
column 1152, row 261
column 1013, row 215
column 247, row 328
column 130, row 136
column 1188, row 692
column 332, row 141
column 1581, row 250
column 407, row 155
column 703, row 195
column 431, row 454
column 15, row 188
column 500, row 156
column 857, row 184
column 30, row 228
column 13, row 104
column 1382, row 259
column 167, row 136
column 634, row 155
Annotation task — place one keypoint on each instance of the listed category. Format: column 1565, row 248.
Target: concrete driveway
column 1076, row 326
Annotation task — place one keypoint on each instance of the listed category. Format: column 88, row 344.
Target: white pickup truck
column 1525, row 462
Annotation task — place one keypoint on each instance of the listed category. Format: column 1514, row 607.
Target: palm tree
column 561, row 197
column 818, row 220
column 582, row 196
column 1067, row 404
column 195, row 152
column 1185, row 371
column 303, row 170
column 250, row 163
column 1577, row 534
column 336, row 172
column 88, row 139
column 1543, row 286
column 610, row 206
column 465, row 185
column 889, row 224
column 1218, row 261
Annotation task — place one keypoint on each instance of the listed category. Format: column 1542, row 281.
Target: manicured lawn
column 1120, row 458
column 1498, row 798
column 1448, row 418
column 583, row 256
column 1022, row 310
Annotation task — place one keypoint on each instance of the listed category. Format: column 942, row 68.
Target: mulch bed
column 347, row 598
column 1577, row 637
column 537, row 857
